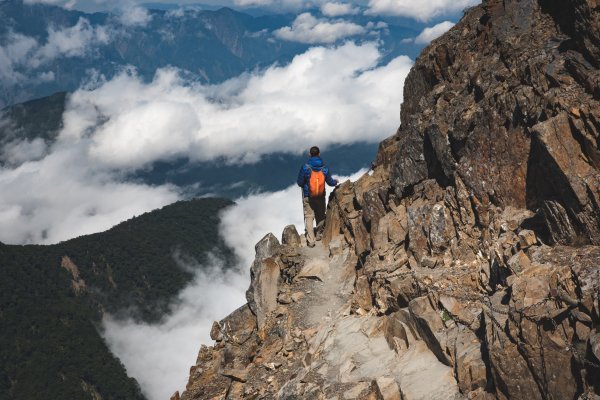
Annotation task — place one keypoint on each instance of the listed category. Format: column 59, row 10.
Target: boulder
column 430, row 326
column 388, row 388
column 527, row 238
column 266, row 247
column 518, row 263
column 290, row 236
column 263, row 290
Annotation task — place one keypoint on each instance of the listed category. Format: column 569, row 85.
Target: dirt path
column 328, row 282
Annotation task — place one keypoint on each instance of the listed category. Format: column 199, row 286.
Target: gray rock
column 268, row 246
column 263, row 290
column 290, row 236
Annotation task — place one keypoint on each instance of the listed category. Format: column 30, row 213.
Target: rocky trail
column 326, row 345
column 467, row 264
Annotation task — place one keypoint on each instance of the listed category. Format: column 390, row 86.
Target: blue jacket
column 316, row 163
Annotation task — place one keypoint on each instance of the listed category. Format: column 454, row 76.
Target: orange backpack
column 316, row 183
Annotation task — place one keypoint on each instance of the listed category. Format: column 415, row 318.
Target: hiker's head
column 314, row 151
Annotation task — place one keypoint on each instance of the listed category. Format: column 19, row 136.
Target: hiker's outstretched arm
column 329, row 179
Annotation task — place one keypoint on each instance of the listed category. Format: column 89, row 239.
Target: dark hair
column 314, row 151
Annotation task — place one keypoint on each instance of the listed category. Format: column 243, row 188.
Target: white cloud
column 12, row 55
column 308, row 29
column 433, row 32
column 62, row 3
column 131, row 14
column 159, row 355
column 75, row 41
column 285, row 4
column 18, row 152
column 47, row 76
column 421, row 10
column 330, row 96
column 22, row 53
column 63, row 196
column 333, row 9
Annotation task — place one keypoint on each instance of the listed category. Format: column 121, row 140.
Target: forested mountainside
column 467, row 264
column 52, row 298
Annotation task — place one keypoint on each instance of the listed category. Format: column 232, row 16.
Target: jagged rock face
column 467, row 264
column 508, row 102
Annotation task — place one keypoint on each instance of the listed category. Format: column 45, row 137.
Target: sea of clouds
column 78, row 185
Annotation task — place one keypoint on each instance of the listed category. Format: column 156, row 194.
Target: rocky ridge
column 467, row 264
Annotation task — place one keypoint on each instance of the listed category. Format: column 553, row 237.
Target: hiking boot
column 319, row 230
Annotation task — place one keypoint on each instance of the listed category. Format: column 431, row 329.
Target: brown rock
column 388, row 388
column 215, row 332
column 397, row 331
column 379, row 233
column 471, row 371
column 457, row 309
column 362, row 293
column 595, row 343
column 404, row 289
column 235, row 374
column 575, row 179
column 284, row 298
column 397, row 228
column 519, row 262
column 527, row 238
column 297, row 296
column 237, row 327
column 77, row 283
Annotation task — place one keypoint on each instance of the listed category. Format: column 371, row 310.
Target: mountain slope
column 39, row 119
column 52, row 298
column 467, row 264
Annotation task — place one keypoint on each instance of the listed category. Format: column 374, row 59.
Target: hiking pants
column 314, row 209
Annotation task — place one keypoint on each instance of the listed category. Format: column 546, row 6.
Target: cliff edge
column 467, row 264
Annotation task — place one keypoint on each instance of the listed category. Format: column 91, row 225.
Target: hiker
column 312, row 178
